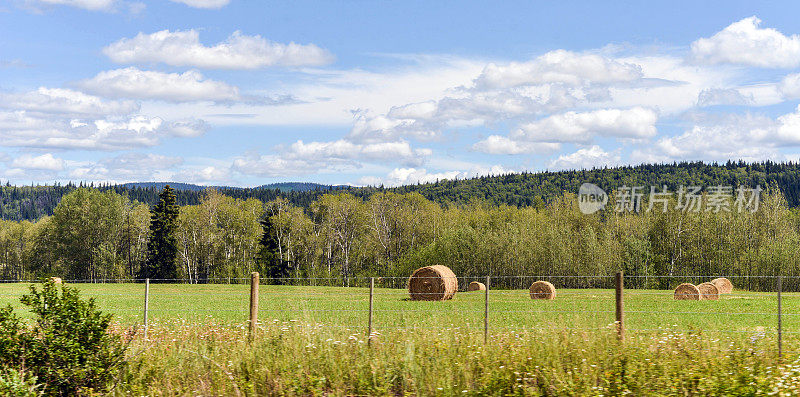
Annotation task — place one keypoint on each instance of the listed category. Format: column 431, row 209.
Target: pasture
column 312, row 341
column 348, row 307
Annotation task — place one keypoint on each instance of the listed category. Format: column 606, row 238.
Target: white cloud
column 343, row 150
column 741, row 141
column 377, row 128
column 91, row 5
column 743, row 42
column 515, row 92
column 67, row 119
column 128, row 167
column 176, row 87
column 187, row 128
column 322, row 157
column 329, row 98
column 496, row 144
column 205, row 176
column 789, row 128
column 65, row 102
column 790, row 86
column 633, row 123
column 731, row 136
column 239, row 51
column 213, row 4
column 45, row 162
column 20, row 129
column 407, row 176
column 588, row 158
column 558, row 66
column 723, row 96
column 669, row 84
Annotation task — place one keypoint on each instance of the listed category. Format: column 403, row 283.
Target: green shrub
column 15, row 383
column 68, row 349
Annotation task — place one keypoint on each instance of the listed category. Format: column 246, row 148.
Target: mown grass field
column 312, row 341
column 341, row 307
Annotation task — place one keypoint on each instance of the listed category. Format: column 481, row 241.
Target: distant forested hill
column 160, row 185
column 525, row 189
column 284, row 186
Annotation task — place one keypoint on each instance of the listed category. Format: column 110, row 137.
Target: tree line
column 519, row 189
column 340, row 238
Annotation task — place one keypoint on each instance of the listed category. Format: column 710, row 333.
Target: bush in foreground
column 68, row 349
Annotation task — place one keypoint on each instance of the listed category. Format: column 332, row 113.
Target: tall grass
column 294, row 359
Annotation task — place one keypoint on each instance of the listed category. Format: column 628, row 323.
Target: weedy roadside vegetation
column 66, row 350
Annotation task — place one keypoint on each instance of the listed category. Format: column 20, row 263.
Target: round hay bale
column 723, row 285
column 55, row 280
column 542, row 290
column 432, row 283
column 476, row 286
column 708, row 292
column 687, row 291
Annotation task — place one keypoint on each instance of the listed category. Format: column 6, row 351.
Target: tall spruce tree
column 162, row 246
column 274, row 266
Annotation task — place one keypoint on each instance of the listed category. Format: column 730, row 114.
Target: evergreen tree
column 162, row 246
column 274, row 266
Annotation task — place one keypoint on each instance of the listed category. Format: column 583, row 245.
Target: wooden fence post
column 146, row 304
column 371, row 299
column 253, row 304
column 619, row 307
column 486, row 313
column 780, row 321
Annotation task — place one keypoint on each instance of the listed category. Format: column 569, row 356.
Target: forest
column 100, row 235
column 516, row 189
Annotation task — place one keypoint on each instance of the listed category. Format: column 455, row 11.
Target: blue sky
column 245, row 93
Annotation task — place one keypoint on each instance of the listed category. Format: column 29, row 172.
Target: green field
column 348, row 308
column 312, row 341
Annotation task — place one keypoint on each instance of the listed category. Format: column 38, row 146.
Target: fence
column 374, row 304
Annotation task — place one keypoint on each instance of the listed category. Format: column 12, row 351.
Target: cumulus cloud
column 187, row 128
column 790, row 86
column 789, row 128
column 582, row 127
column 239, row 51
column 56, row 118
column 497, row 144
column 723, row 96
column 65, row 102
column 305, row 158
column 378, row 128
column 204, row 175
column 558, row 66
column 212, row 4
column 588, row 158
column 174, row 87
column 514, row 92
column 407, row 176
column 731, row 136
column 546, row 135
column 45, row 162
column 20, row 129
column 128, row 167
column 744, row 42
column 745, row 141
column 91, row 5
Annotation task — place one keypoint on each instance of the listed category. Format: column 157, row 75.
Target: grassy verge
column 294, row 359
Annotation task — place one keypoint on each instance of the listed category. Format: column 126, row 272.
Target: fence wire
column 582, row 303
